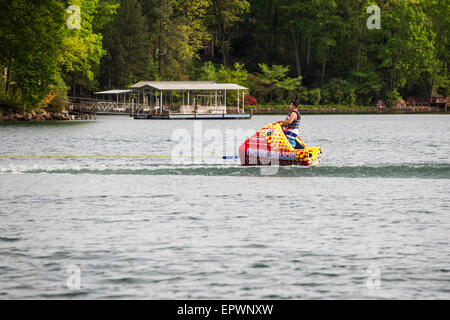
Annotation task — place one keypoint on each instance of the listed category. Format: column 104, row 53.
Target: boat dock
column 182, row 100
column 167, row 100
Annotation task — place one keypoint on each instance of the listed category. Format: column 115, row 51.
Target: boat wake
column 435, row 171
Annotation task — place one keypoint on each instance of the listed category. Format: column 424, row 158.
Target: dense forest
column 317, row 51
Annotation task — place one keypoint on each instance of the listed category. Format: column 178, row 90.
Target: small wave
column 9, row 239
column 436, row 171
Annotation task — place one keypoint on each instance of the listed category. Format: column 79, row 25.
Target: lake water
column 121, row 208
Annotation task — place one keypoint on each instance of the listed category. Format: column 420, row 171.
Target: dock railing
column 89, row 105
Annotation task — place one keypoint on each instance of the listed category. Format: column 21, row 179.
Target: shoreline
column 348, row 113
column 28, row 116
column 278, row 110
column 50, row 116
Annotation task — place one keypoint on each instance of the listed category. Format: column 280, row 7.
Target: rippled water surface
column 117, row 199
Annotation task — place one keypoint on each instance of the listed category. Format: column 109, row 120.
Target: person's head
column 293, row 105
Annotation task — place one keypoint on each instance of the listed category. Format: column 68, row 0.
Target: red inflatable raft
column 270, row 146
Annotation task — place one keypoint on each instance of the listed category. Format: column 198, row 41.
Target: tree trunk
column 297, row 55
column 270, row 14
column 129, row 53
column 275, row 44
column 73, row 84
column 224, row 53
column 159, row 48
column 109, row 73
column 8, row 76
column 222, row 32
column 308, row 51
column 212, row 48
column 302, row 48
column 323, row 67
column 4, row 73
column 358, row 63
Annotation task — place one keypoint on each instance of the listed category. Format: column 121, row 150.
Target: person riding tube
column 292, row 124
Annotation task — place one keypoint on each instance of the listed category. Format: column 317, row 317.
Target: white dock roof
column 187, row 85
column 113, row 92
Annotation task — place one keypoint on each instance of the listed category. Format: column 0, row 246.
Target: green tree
column 271, row 76
column 31, row 34
column 177, row 31
column 223, row 15
column 438, row 12
column 208, row 71
column 408, row 45
column 275, row 77
column 82, row 48
column 126, row 40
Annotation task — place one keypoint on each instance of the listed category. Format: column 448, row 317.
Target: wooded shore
column 49, row 116
column 32, row 116
column 262, row 110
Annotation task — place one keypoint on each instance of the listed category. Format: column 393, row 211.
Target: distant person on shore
column 292, row 123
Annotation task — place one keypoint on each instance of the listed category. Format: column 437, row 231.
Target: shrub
column 392, row 97
column 250, row 100
column 278, row 87
column 314, row 96
column 8, row 104
column 236, row 74
column 311, row 97
column 208, row 71
column 55, row 101
column 302, row 95
column 339, row 91
column 57, row 105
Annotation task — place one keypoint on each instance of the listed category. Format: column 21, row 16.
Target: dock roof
column 187, row 85
column 113, row 92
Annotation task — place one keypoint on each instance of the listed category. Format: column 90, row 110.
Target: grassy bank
column 337, row 109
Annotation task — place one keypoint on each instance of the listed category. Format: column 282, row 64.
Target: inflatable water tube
column 270, row 146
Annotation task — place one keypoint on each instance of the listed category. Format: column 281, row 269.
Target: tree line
column 317, row 52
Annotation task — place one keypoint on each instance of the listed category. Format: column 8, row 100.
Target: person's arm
column 292, row 118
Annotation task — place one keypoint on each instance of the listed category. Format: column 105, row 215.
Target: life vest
column 294, row 125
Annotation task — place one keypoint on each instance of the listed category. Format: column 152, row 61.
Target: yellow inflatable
column 270, row 146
